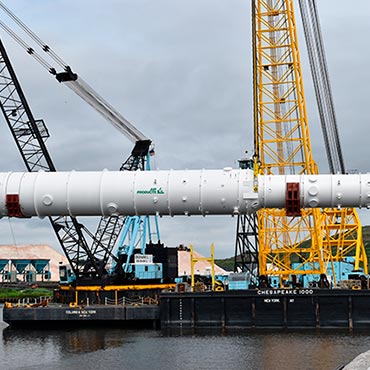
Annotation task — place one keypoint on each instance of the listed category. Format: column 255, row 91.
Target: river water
column 114, row 348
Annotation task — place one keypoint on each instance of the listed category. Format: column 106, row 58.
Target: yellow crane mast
column 294, row 241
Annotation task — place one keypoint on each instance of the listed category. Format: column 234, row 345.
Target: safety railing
column 124, row 301
column 28, row 302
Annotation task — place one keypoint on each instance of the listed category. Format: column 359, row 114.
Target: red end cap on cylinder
column 292, row 199
column 13, row 206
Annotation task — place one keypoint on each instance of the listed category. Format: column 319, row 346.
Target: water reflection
column 129, row 349
column 66, row 341
column 283, row 350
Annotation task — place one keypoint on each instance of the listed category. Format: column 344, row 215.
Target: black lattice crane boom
column 110, row 227
column 30, row 136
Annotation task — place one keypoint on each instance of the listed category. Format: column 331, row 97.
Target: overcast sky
column 180, row 71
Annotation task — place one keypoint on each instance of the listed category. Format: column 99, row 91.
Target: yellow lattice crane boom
column 293, row 241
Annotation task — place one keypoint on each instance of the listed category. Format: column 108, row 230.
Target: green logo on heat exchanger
column 151, row 191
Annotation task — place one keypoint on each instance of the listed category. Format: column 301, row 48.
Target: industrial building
column 29, row 263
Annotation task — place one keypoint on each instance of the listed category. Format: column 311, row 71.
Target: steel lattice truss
column 30, row 136
column 246, row 247
column 110, row 227
column 290, row 245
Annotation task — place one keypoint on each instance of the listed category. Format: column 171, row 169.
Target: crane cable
column 320, row 76
column 33, row 36
column 27, row 48
column 72, row 80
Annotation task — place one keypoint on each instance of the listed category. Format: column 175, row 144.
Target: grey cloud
column 181, row 72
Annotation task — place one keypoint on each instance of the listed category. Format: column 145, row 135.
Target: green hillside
column 366, row 238
column 228, row 263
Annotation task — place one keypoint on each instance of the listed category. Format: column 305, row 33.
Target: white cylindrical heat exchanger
column 324, row 191
column 193, row 192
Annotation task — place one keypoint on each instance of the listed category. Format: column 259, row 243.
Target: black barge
column 267, row 308
column 63, row 316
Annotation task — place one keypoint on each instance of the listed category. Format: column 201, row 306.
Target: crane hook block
column 66, row 75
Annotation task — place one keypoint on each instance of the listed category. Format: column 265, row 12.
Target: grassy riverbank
column 12, row 293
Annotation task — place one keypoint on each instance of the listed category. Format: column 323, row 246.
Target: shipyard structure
column 300, row 260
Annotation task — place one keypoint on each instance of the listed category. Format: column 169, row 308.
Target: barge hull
column 64, row 316
column 280, row 309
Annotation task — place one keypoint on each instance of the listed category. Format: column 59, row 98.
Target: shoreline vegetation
column 24, row 293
